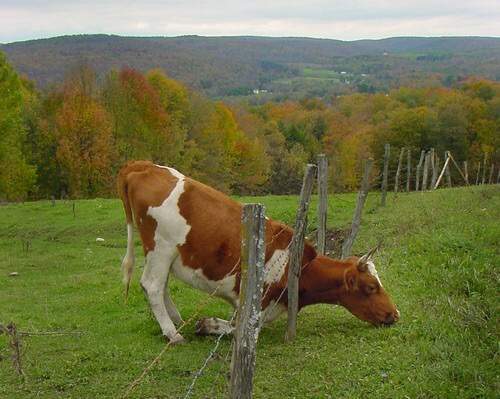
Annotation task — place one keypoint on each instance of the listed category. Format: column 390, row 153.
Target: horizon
column 250, row 36
column 23, row 20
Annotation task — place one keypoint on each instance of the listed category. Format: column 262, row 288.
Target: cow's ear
column 350, row 281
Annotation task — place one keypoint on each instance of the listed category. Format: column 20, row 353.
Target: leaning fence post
column 447, row 160
column 419, row 167
column 456, row 166
column 249, row 310
column 387, row 153
column 322, row 201
column 356, row 220
column 297, row 251
column 426, row 171
column 466, row 172
column 408, row 171
column 398, row 170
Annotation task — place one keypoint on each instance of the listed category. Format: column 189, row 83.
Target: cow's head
column 363, row 294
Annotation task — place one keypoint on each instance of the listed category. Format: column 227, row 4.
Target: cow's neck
column 322, row 281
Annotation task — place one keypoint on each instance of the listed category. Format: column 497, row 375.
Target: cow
column 193, row 231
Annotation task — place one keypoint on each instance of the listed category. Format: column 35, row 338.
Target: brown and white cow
column 193, row 231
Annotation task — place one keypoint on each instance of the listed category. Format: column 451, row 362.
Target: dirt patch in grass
column 334, row 240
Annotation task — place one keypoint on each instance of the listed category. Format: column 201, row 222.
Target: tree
column 17, row 176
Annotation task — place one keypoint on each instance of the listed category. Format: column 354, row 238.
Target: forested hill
column 277, row 67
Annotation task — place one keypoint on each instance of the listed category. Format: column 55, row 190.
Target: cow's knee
column 213, row 325
column 153, row 291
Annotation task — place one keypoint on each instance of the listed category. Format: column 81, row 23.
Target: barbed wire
column 205, row 363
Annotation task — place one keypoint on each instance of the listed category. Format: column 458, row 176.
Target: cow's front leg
column 213, row 326
column 153, row 281
column 170, row 306
column 272, row 312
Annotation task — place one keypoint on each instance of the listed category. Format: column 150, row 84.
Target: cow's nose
column 391, row 318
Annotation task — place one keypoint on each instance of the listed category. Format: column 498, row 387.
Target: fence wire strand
column 209, row 357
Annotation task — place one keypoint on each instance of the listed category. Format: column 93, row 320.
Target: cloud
column 356, row 19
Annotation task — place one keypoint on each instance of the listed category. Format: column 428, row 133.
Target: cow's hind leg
column 213, row 326
column 153, row 281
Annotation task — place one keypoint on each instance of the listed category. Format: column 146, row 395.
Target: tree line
column 70, row 140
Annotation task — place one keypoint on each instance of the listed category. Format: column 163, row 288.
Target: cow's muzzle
column 391, row 318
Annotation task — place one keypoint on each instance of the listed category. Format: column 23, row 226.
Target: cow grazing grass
column 439, row 261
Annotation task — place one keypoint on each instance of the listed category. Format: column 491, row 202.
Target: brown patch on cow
column 213, row 242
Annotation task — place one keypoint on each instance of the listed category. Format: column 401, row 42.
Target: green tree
column 17, row 176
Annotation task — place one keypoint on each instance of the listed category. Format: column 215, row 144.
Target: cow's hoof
column 176, row 340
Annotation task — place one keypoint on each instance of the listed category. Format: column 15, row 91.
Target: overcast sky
column 343, row 19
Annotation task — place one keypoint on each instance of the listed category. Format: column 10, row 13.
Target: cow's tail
column 129, row 258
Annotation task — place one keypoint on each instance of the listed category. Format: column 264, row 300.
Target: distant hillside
column 279, row 67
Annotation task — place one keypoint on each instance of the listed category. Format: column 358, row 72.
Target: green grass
column 320, row 73
column 439, row 260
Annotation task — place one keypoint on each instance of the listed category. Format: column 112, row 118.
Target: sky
column 344, row 19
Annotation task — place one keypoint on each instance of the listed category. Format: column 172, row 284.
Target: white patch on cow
column 171, row 225
column 174, row 172
column 196, row 279
column 275, row 266
column 371, row 269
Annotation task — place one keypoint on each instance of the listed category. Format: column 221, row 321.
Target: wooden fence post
column 466, row 172
column 447, row 170
column 249, row 310
column 498, row 176
column 484, row 169
column 387, row 154
column 426, row 171
column 408, row 171
column 478, row 172
column 492, row 168
column 356, row 220
column 433, row 167
column 297, row 251
column 398, row 171
column 322, row 202
column 419, row 167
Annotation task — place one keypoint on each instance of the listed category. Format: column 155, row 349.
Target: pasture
column 439, row 261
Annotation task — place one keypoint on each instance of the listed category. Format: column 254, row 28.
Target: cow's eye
column 370, row 289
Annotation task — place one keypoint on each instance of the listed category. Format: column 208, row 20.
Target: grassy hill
column 439, row 260
column 234, row 66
